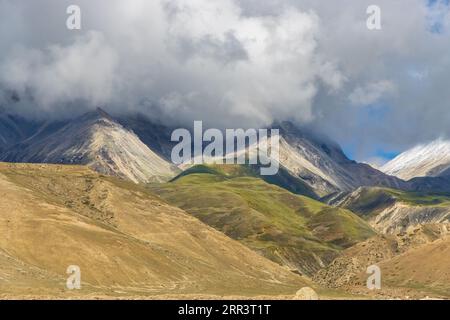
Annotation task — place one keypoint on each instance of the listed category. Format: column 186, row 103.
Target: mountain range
column 107, row 182
column 322, row 164
column 137, row 149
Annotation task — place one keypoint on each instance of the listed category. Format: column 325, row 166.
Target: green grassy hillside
column 282, row 179
column 293, row 230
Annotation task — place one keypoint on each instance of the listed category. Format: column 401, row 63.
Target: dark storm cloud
column 239, row 63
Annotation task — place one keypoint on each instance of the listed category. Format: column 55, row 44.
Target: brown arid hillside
column 423, row 269
column 131, row 244
column 413, row 264
column 127, row 242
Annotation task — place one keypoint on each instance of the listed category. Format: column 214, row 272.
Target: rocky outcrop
column 400, row 217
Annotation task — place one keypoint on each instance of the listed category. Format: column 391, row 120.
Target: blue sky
column 379, row 154
column 377, row 113
column 436, row 26
column 366, row 117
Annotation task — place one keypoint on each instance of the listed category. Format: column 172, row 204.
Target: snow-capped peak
column 425, row 160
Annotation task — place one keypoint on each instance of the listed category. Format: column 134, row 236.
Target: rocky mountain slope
column 317, row 162
column 14, row 129
column 135, row 148
column 391, row 211
column 426, row 160
column 323, row 165
column 97, row 140
column 411, row 248
column 126, row 241
column 154, row 135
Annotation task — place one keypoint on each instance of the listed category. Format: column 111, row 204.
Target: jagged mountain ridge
column 138, row 149
column 322, row 163
column 316, row 161
column 97, row 140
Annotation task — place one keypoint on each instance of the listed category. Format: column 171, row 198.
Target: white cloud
column 189, row 58
column 371, row 93
column 84, row 70
column 239, row 62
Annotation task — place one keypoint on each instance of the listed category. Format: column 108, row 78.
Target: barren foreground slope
column 126, row 242
column 415, row 264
